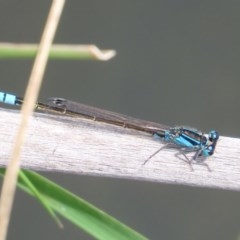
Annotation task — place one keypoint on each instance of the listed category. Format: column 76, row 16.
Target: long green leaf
column 38, row 195
column 78, row 211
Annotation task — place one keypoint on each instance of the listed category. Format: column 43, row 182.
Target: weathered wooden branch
column 74, row 145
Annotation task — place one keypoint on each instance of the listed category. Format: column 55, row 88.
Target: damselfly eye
column 213, row 136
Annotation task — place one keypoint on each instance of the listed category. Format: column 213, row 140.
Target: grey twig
column 74, row 145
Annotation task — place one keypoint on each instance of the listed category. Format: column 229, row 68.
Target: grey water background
column 177, row 63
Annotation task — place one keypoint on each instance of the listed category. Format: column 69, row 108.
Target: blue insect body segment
column 8, row 98
column 18, row 101
column 192, row 140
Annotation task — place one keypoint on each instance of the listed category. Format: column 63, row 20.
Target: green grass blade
column 78, row 211
column 38, row 195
